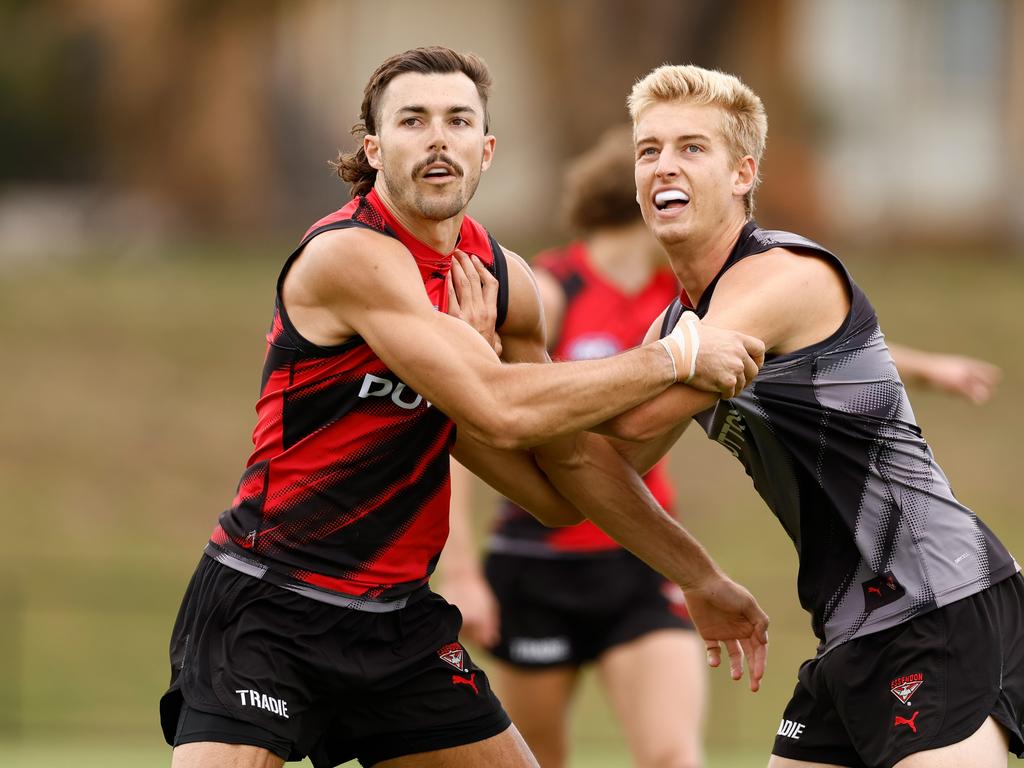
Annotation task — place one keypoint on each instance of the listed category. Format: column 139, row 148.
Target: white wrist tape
column 671, row 356
column 692, row 321
column 682, row 345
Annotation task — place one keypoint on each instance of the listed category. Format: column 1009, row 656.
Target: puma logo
column 910, row 722
column 471, row 682
column 876, row 590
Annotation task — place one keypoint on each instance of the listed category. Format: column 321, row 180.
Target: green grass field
column 126, row 417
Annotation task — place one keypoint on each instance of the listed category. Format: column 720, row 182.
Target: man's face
column 688, row 182
column 430, row 147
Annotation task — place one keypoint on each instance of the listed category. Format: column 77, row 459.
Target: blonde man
column 917, row 605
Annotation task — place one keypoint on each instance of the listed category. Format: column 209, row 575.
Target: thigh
column 985, row 748
column 658, row 688
column 504, row 749
column 784, row 762
column 539, row 701
column 207, row 754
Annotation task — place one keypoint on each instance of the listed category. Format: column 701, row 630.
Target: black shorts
column 925, row 684
column 254, row 663
column 571, row 610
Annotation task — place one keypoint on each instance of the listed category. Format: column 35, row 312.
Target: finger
column 487, row 280
column 714, row 652
column 755, row 348
column 735, row 658
column 757, row 659
column 453, row 300
column 472, row 277
column 749, row 369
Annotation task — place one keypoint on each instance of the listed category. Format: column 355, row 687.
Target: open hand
column 473, row 297
column 726, row 613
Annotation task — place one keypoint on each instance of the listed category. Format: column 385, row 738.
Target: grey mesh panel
column 832, row 445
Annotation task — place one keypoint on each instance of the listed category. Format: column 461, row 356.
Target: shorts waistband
column 355, row 602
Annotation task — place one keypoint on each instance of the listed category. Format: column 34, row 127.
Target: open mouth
column 439, row 172
column 670, row 199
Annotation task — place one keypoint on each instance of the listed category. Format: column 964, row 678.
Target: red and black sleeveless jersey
column 346, row 494
column 599, row 320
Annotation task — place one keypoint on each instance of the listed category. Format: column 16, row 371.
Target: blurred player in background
column 549, row 600
column 570, row 596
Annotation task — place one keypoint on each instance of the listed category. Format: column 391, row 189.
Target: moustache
column 439, row 157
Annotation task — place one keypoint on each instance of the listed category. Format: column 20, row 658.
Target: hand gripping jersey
column 828, row 437
column 599, row 320
column 345, row 496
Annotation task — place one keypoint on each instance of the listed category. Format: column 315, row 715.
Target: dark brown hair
column 354, row 167
column 600, row 190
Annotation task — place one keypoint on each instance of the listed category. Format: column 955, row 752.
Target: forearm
column 540, row 402
column 596, row 479
column 656, row 421
column 643, row 456
column 516, row 476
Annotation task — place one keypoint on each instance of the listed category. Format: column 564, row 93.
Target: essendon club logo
column 453, row 654
column 903, row 687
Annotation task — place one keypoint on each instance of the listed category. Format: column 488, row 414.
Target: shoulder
column 352, row 257
column 786, row 297
column 525, row 312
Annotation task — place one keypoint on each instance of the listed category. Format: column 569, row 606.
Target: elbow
column 632, row 427
column 560, row 517
column 501, row 429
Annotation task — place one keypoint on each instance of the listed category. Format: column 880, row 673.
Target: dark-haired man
column 309, row 628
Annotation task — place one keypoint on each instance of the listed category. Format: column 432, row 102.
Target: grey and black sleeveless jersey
column 828, row 437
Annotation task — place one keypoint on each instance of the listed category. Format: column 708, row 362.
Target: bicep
column 374, row 288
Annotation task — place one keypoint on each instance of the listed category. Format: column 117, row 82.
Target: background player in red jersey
column 554, row 599
column 309, row 628
column 568, row 596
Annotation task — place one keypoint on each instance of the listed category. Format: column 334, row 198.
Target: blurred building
column 891, row 120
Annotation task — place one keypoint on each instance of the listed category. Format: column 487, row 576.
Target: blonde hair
column 745, row 126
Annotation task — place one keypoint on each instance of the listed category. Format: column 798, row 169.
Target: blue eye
column 694, row 149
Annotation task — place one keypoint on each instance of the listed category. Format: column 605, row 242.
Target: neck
column 699, row 258
column 626, row 256
column 442, row 235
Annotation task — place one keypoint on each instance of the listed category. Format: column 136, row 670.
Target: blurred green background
column 158, row 159
column 126, row 420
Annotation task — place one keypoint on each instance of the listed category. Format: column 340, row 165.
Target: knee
column 670, row 756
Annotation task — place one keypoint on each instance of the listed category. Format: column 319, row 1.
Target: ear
column 489, row 142
column 746, row 172
column 371, row 148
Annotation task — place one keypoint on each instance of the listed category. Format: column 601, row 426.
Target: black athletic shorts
column 257, row 664
column 571, row 610
column 925, row 684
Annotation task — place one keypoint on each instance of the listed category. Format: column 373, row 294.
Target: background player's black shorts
column 925, row 684
column 572, row 610
column 254, row 663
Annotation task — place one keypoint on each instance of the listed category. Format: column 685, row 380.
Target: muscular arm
column 356, row 282
column 588, row 471
column 788, row 300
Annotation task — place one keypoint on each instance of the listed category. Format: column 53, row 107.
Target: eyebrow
column 684, row 137
column 418, row 109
